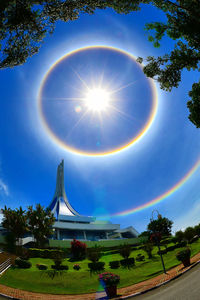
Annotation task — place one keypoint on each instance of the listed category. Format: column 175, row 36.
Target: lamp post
column 156, row 237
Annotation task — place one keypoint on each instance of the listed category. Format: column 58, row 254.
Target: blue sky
column 113, row 183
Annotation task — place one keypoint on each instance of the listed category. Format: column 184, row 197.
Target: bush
column 127, row 263
column 114, row 264
column 94, row 254
column 22, row 264
column 59, row 267
column 140, row 257
column 161, row 252
column 125, row 251
column 97, row 266
column 183, row 254
column 41, row 267
column 78, row 249
column 171, row 248
column 76, row 267
column 44, row 253
column 148, row 248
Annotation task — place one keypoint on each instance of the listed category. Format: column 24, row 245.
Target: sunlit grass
column 77, row 282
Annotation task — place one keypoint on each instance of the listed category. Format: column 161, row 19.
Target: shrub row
column 172, row 248
column 22, row 264
column 128, row 262
column 140, row 257
column 60, row 267
column 45, row 253
column 41, row 267
column 115, row 264
column 97, row 266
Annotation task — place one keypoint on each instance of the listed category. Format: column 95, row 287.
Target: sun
column 97, row 100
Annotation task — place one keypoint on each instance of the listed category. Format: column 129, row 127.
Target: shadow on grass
column 155, row 273
column 71, row 259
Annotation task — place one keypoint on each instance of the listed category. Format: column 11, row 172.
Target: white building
column 70, row 224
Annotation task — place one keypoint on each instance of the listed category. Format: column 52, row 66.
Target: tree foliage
column 189, row 233
column 161, row 225
column 179, row 235
column 15, row 222
column 25, row 23
column 40, row 223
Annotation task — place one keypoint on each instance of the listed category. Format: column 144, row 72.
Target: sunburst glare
column 97, row 99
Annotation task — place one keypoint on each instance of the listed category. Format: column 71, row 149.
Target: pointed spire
column 60, row 204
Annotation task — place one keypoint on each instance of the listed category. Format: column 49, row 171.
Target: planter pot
column 111, row 291
column 186, row 262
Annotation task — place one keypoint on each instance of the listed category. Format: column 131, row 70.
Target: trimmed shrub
column 76, row 267
column 22, row 264
column 140, row 257
column 94, row 254
column 127, row 263
column 148, row 248
column 44, row 253
column 171, row 248
column 183, row 254
column 97, row 266
column 161, row 252
column 114, row 264
column 182, row 244
column 125, row 251
column 78, row 249
column 41, row 267
column 59, row 267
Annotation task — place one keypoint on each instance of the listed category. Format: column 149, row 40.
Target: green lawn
column 77, row 282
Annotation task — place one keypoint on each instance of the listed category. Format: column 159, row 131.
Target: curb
column 160, row 284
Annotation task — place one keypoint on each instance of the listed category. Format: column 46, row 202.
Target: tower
column 60, row 205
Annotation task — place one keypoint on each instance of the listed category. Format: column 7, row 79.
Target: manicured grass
column 77, row 282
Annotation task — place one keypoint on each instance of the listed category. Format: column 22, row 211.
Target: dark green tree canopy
column 25, row 23
column 40, row 223
column 15, row 222
column 161, row 225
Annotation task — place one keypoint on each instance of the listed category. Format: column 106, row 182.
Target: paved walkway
column 123, row 292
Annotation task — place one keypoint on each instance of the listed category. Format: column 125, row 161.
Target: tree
column 15, row 222
column 189, row 233
column 161, row 225
column 40, row 223
column 197, row 229
column 25, row 23
column 179, row 235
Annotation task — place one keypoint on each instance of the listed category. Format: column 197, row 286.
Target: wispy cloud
column 4, row 187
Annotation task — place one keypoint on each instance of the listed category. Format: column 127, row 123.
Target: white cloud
column 4, row 188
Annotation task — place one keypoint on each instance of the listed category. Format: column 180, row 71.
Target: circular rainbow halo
column 97, row 100
column 83, row 133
